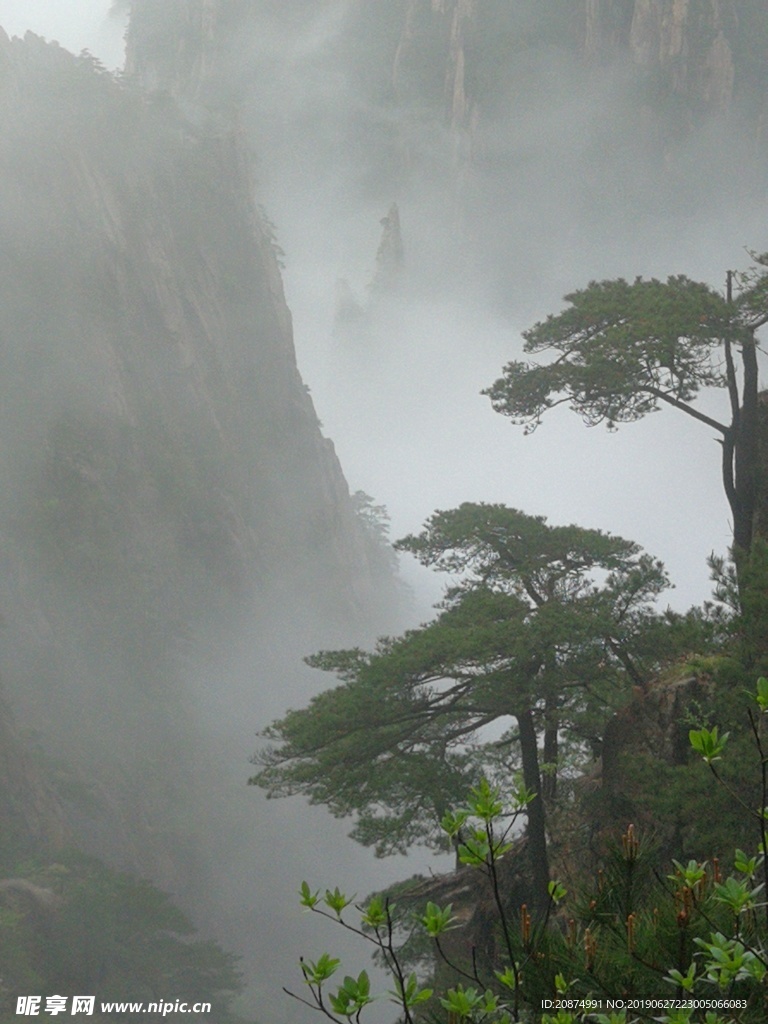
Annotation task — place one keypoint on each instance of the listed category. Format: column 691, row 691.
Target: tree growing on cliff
column 620, row 351
column 544, row 630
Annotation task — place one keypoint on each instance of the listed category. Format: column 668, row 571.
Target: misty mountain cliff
column 454, row 108
column 165, row 481
column 175, row 528
column 456, row 54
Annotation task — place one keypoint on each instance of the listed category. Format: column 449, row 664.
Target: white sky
column 75, row 24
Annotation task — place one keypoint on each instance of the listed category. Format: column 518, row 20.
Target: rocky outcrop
column 435, row 66
column 692, row 45
column 173, row 47
column 429, row 24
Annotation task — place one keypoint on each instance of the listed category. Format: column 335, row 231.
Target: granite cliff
column 451, row 107
column 166, row 486
column 451, row 62
column 688, row 60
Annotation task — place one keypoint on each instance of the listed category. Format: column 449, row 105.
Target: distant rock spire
column 390, row 257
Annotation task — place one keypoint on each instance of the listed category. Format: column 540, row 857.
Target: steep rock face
column 173, row 46
column 164, row 302
column 701, row 52
column 447, row 23
column 441, row 87
column 165, row 479
column 693, row 45
column 709, row 55
column 31, row 815
column 457, row 76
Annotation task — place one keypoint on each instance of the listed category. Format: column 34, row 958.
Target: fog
column 75, row 24
column 566, row 185
column 569, row 186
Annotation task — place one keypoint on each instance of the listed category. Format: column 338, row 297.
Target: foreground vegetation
column 629, row 945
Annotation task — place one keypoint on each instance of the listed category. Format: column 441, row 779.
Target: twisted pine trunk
column 537, row 822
